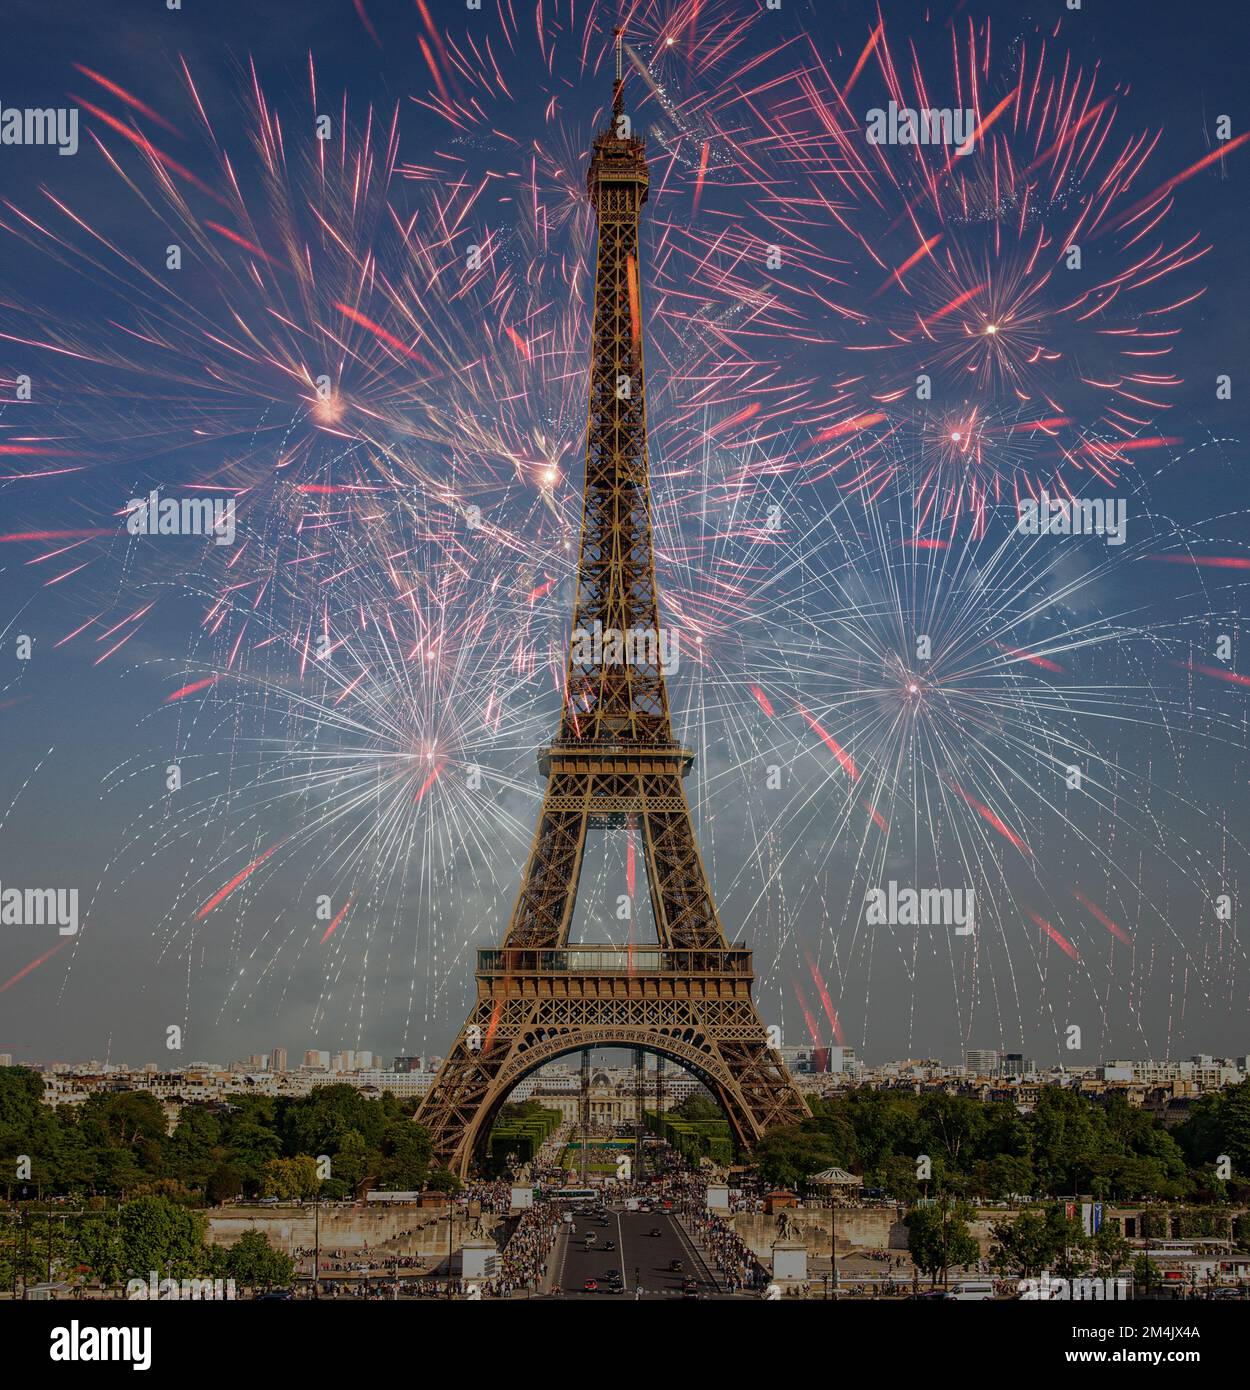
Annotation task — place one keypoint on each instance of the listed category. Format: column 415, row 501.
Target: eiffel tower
column 613, row 764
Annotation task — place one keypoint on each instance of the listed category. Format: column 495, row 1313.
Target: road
column 640, row 1257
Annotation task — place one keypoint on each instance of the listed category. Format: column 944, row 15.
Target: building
column 399, row 1083
column 981, row 1061
column 277, row 1059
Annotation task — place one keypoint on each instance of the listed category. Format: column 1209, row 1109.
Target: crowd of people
column 494, row 1196
column 524, row 1258
column 733, row 1257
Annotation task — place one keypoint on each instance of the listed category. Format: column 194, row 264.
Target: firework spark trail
column 963, row 745
column 383, row 361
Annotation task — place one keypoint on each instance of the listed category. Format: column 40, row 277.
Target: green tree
column 254, row 1264
column 938, row 1237
column 224, row 1184
column 98, row 1246
column 951, row 1126
column 897, row 1175
column 1036, row 1240
column 697, row 1106
column 250, row 1136
column 131, row 1121
column 1005, row 1176
column 159, row 1235
column 1109, row 1249
column 406, row 1152
column 291, row 1179
column 1220, row 1124
column 195, row 1151
column 321, row 1123
column 354, row 1161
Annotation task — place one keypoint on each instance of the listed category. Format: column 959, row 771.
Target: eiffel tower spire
column 609, row 701
column 613, row 763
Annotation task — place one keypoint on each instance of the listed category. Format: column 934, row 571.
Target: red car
column 591, row 1286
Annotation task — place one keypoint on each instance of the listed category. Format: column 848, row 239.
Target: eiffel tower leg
column 540, row 921
column 686, row 918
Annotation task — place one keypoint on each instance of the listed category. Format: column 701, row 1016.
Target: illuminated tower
column 613, row 764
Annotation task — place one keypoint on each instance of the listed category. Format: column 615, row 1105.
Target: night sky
column 353, row 691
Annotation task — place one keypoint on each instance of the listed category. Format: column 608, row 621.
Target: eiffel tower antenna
column 613, row 763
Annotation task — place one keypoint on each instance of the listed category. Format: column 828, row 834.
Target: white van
column 973, row 1291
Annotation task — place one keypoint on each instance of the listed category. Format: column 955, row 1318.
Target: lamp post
column 317, row 1244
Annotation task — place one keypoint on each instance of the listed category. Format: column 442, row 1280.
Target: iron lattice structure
column 614, row 762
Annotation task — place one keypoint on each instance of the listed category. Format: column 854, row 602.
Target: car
column 973, row 1291
column 591, row 1286
column 655, row 1231
column 930, row 1296
column 609, row 1245
column 676, row 1266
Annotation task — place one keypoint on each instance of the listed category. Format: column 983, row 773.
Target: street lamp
column 317, row 1243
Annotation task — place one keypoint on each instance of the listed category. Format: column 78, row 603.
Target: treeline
column 326, row 1145
column 520, row 1130
column 696, row 1129
column 1068, row 1144
column 144, row 1237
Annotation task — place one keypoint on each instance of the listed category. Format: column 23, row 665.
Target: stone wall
column 395, row 1230
column 854, row 1228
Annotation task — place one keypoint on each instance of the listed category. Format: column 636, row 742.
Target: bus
column 576, row 1195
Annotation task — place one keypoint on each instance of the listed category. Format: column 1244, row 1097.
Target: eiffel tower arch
column 614, row 762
